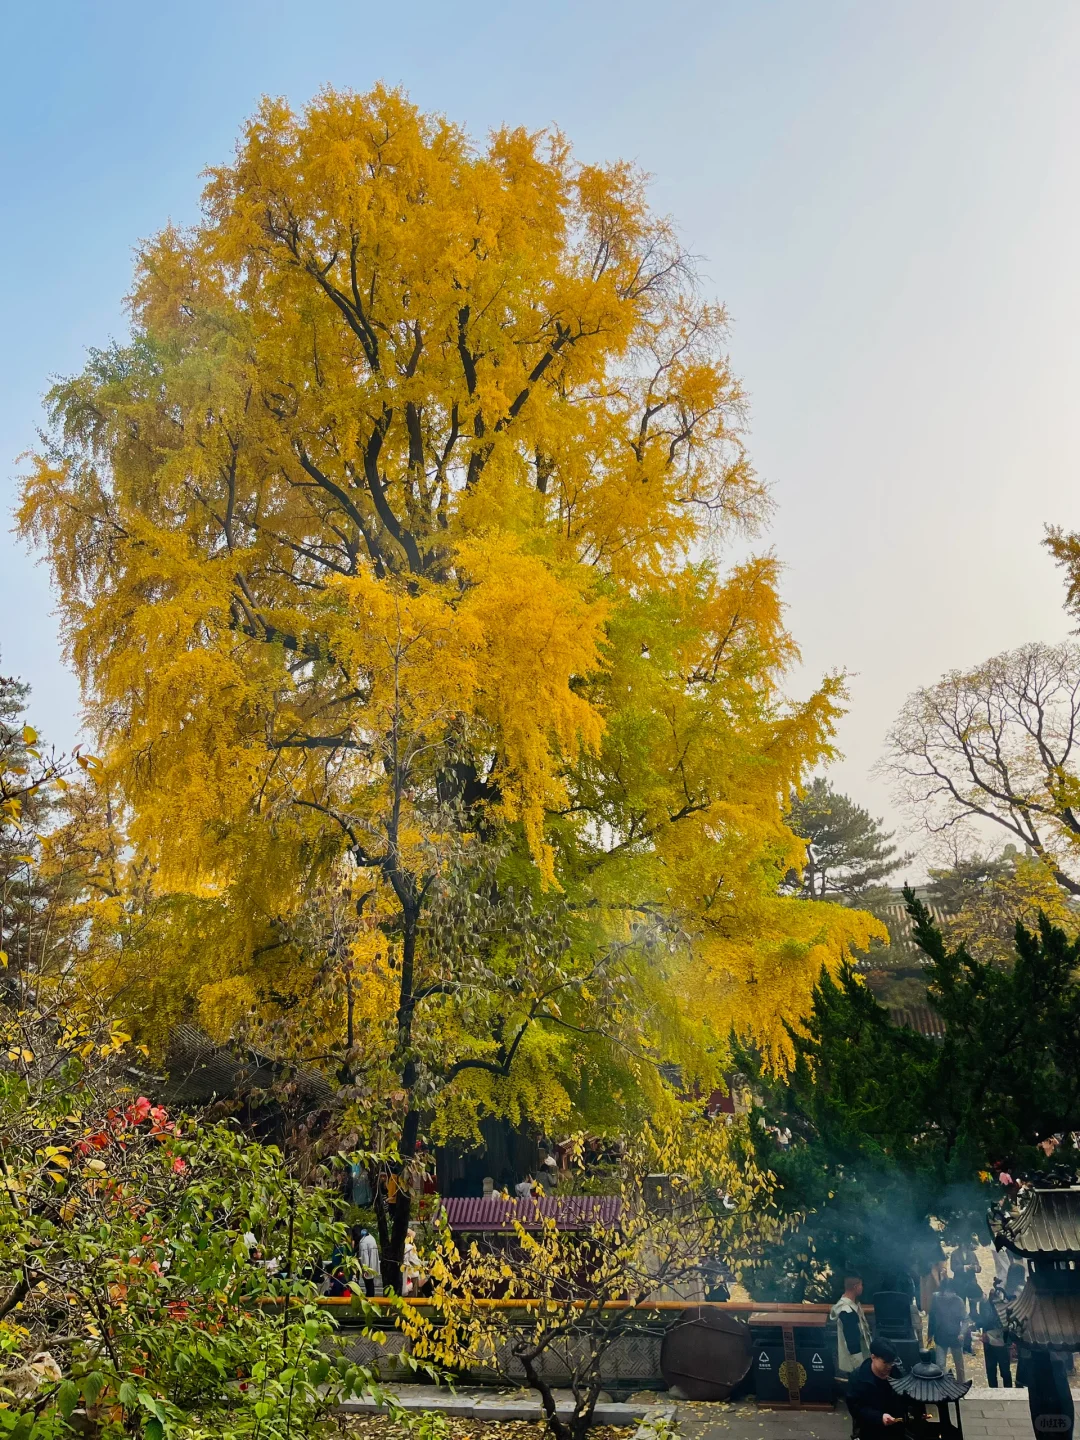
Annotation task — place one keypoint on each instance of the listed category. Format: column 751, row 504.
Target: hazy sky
column 885, row 195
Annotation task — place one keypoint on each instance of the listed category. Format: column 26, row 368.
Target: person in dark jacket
column 875, row 1406
column 947, row 1325
column 995, row 1348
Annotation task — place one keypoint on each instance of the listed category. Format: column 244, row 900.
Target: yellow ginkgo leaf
column 29, row 735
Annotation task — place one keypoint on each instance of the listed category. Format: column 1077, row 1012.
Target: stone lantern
column 924, row 1386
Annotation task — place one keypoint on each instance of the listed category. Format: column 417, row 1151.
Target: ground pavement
column 987, row 1415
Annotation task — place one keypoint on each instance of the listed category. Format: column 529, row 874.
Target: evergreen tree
column 24, row 894
column 848, row 853
column 890, row 1129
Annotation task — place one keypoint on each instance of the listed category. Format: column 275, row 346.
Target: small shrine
column 924, row 1386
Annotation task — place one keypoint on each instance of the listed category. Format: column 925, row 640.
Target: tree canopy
column 848, row 853
column 890, row 1128
column 997, row 745
column 386, row 553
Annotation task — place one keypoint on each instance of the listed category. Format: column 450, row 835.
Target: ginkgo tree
column 386, row 546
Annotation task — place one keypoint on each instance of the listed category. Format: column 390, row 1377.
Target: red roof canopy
column 569, row 1212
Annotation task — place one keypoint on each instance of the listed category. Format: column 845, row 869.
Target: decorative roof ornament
column 1058, row 1177
column 1044, row 1223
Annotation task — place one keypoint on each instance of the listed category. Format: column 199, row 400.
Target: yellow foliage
column 986, row 921
column 391, row 531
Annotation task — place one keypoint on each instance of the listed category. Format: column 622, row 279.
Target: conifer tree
column 891, row 1129
column 27, row 793
column 848, row 852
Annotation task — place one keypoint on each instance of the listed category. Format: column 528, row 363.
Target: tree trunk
column 410, row 1130
column 557, row 1426
column 402, row 1208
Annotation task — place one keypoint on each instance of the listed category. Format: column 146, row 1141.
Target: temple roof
column 1047, row 1222
column 1042, row 1316
column 568, row 1212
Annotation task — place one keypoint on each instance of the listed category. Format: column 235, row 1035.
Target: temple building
column 1043, row 1229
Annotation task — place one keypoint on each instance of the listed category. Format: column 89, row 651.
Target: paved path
column 997, row 1415
column 487, row 1404
column 744, row 1421
column 987, row 1415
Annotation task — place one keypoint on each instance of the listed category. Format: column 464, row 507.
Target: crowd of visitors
column 958, row 1315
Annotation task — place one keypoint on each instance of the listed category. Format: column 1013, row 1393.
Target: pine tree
column 891, row 1129
column 23, row 893
column 848, row 853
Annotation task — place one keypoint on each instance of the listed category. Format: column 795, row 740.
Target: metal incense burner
column 926, row 1388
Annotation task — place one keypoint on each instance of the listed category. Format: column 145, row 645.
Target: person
column 714, row 1276
column 1002, row 1261
column 410, row 1265
column 549, row 1175
column 874, row 1405
column 930, row 1284
column 338, row 1286
column 948, row 1317
column 995, row 1350
column 524, row 1188
column 965, row 1272
column 368, row 1255
column 852, row 1331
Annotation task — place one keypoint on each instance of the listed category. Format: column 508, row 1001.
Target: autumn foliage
column 391, row 537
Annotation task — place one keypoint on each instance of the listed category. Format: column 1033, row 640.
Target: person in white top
column 852, row 1330
column 368, row 1255
column 410, row 1266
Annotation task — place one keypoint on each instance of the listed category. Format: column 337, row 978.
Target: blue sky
column 885, row 195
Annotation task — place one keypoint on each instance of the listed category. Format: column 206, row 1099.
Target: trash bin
column 769, row 1387
column 793, row 1359
column 816, row 1363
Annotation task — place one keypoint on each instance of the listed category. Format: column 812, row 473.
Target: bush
column 131, row 1301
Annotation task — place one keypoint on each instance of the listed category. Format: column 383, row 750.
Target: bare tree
column 999, row 744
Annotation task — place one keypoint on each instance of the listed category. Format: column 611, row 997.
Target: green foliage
column 122, row 1255
column 890, row 1129
column 848, row 854
column 1009, row 1067
column 27, row 775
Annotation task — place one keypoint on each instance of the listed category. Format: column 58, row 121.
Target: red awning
column 569, row 1212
